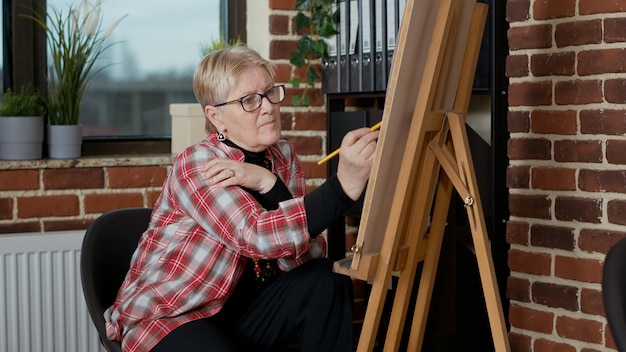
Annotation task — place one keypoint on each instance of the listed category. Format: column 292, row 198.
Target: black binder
column 392, row 30
column 380, row 46
column 354, row 48
column 330, row 65
column 367, row 49
column 344, row 43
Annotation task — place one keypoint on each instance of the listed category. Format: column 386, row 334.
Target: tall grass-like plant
column 75, row 41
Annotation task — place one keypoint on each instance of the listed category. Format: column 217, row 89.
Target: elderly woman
column 232, row 259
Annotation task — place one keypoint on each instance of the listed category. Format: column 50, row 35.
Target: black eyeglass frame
column 261, row 96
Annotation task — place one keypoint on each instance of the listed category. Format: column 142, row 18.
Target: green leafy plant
column 317, row 20
column 75, row 41
column 216, row 44
column 26, row 102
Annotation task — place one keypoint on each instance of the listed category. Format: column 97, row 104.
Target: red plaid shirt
column 194, row 251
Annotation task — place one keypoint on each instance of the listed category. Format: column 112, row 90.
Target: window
column 155, row 51
column 150, row 64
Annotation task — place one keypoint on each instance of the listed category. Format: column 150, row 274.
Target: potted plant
column 21, row 124
column 317, row 20
column 75, row 41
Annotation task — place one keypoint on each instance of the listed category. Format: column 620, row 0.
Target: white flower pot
column 21, row 137
column 64, row 141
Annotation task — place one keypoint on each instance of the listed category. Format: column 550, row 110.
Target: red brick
column 554, row 178
column 594, row 62
column 615, row 30
column 578, row 269
column 312, row 170
column 529, row 263
column 616, row 212
column 592, row 240
column 101, row 203
column 578, row 151
column 609, row 122
column 615, row 152
column 81, row 178
column 136, row 176
column 282, row 4
column 578, row 92
column 530, row 37
column 517, row 66
column 518, row 289
column 555, row 237
column 555, row 295
column 517, row 232
column 307, row 145
column 578, row 33
column 281, row 49
column 286, row 121
column 585, row 330
column 529, row 206
column 43, row 206
column 551, row 9
column 518, row 121
column 588, row 7
column 548, row 345
column 315, row 95
column 284, row 73
column 11, row 180
column 66, row 225
column 553, row 64
column 310, row 121
column 554, row 122
column 518, row 176
column 530, row 93
column 151, row 198
column 591, row 301
column 279, row 24
column 531, row 319
column 528, row 149
column 615, row 91
column 20, row 227
column 517, row 10
column 578, row 209
column 6, row 208
column 602, row 180
column 520, row 342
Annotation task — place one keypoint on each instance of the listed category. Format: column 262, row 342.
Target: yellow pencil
column 336, row 152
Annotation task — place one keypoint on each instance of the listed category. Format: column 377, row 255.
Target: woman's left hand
column 226, row 172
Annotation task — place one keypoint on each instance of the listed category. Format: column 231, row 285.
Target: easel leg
column 431, row 262
column 480, row 237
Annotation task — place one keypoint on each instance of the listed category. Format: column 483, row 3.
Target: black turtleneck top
column 323, row 205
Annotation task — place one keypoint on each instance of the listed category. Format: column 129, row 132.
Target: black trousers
column 306, row 309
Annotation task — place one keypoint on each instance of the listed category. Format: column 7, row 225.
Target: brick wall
column 567, row 171
column 46, row 196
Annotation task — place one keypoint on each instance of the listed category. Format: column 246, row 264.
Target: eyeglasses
column 253, row 101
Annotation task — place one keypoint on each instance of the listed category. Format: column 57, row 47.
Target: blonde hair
column 218, row 71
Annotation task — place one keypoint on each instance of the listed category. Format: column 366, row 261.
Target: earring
column 220, row 136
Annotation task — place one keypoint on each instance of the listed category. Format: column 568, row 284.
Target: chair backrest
column 614, row 292
column 107, row 248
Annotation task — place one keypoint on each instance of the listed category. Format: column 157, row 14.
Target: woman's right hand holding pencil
column 356, row 157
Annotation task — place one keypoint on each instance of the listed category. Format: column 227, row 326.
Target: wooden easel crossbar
column 407, row 199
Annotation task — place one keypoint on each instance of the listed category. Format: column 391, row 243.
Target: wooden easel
column 422, row 155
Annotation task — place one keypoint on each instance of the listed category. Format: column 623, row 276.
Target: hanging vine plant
column 317, row 20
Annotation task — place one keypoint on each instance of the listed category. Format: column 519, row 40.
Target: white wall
column 257, row 26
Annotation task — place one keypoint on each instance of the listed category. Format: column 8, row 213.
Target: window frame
column 24, row 41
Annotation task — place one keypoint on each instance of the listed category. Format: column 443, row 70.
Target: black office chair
column 104, row 260
column 614, row 292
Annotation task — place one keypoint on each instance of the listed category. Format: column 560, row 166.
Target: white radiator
column 42, row 308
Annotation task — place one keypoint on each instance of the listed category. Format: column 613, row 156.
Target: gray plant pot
column 21, row 137
column 64, row 141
